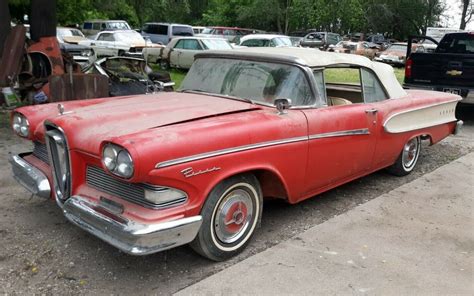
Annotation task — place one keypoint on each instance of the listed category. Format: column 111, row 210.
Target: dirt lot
column 42, row 253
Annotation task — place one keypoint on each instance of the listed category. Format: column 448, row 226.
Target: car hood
column 73, row 39
column 394, row 53
column 88, row 126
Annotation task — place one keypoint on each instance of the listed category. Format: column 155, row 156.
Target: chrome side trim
column 132, row 237
column 181, row 160
column 355, row 132
column 228, row 151
column 30, row 177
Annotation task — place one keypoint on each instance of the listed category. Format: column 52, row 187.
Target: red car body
column 194, row 141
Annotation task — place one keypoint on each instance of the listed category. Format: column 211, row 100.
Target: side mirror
column 282, row 105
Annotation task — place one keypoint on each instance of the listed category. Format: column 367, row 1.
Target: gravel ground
column 42, row 253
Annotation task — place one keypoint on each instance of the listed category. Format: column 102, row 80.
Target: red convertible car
column 151, row 172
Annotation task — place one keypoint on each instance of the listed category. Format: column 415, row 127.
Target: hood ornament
column 61, row 109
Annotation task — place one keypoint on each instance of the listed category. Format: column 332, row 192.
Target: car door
column 342, row 136
column 190, row 48
column 175, row 52
column 100, row 44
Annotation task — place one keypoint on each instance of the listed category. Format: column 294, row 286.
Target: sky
column 452, row 15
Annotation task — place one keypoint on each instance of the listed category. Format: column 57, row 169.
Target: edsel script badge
column 454, row 73
column 189, row 172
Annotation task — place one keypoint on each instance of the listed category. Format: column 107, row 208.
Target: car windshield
column 129, row 37
column 182, row 31
column 398, row 47
column 216, row 44
column 457, row 43
column 282, row 41
column 260, row 82
column 61, row 33
column 117, row 26
column 207, row 31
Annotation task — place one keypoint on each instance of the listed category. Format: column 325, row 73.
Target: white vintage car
column 118, row 43
column 179, row 53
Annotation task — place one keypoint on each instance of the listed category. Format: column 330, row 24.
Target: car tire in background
column 407, row 159
column 230, row 215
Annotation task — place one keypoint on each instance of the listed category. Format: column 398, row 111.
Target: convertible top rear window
column 259, row 81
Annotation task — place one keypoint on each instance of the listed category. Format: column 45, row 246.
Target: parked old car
column 148, row 173
column 265, row 40
column 362, row 48
column 68, row 39
column 232, row 34
column 118, row 43
column 320, row 40
column 93, row 27
column 162, row 33
column 395, row 54
column 180, row 52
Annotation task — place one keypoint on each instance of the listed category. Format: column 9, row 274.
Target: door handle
column 92, row 43
column 371, row 111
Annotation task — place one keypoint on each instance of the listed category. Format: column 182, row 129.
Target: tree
column 467, row 12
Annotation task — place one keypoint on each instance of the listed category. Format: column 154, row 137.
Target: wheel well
column 271, row 184
column 427, row 137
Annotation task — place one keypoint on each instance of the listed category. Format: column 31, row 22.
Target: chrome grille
column 97, row 178
column 40, row 152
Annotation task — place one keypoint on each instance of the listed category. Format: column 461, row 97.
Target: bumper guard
column 30, row 177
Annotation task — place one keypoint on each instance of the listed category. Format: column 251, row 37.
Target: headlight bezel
column 123, row 167
column 20, row 125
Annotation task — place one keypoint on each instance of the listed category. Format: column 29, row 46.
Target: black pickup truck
column 450, row 68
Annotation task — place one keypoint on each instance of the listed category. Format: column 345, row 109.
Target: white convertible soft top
column 315, row 58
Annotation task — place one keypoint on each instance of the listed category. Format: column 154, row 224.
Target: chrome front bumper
column 30, row 177
column 130, row 236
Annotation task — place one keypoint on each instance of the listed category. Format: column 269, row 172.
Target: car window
column 229, row 32
column 96, row 26
column 191, row 44
column 179, row 44
column 106, row 37
column 156, row 29
column 373, row 91
column 182, row 31
column 259, row 81
column 216, row 44
column 256, row 43
column 87, row 26
column 343, row 85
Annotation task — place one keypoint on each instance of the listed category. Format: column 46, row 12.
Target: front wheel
column 407, row 159
column 230, row 215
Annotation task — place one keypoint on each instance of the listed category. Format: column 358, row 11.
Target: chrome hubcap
column 233, row 216
column 410, row 153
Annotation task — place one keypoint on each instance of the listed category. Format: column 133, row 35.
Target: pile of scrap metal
column 38, row 72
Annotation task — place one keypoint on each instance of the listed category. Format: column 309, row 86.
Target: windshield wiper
column 198, row 91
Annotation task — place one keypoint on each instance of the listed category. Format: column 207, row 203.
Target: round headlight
column 117, row 160
column 21, row 125
column 109, row 157
column 124, row 164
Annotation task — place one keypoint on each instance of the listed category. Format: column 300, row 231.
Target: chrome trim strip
column 355, row 132
column 181, row 160
column 132, row 237
column 228, row 151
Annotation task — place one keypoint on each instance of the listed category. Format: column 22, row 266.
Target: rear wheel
column 407, row 159
column 230, row 215
column 164, row 65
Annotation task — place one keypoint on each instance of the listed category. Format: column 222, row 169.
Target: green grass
column 177, row 76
